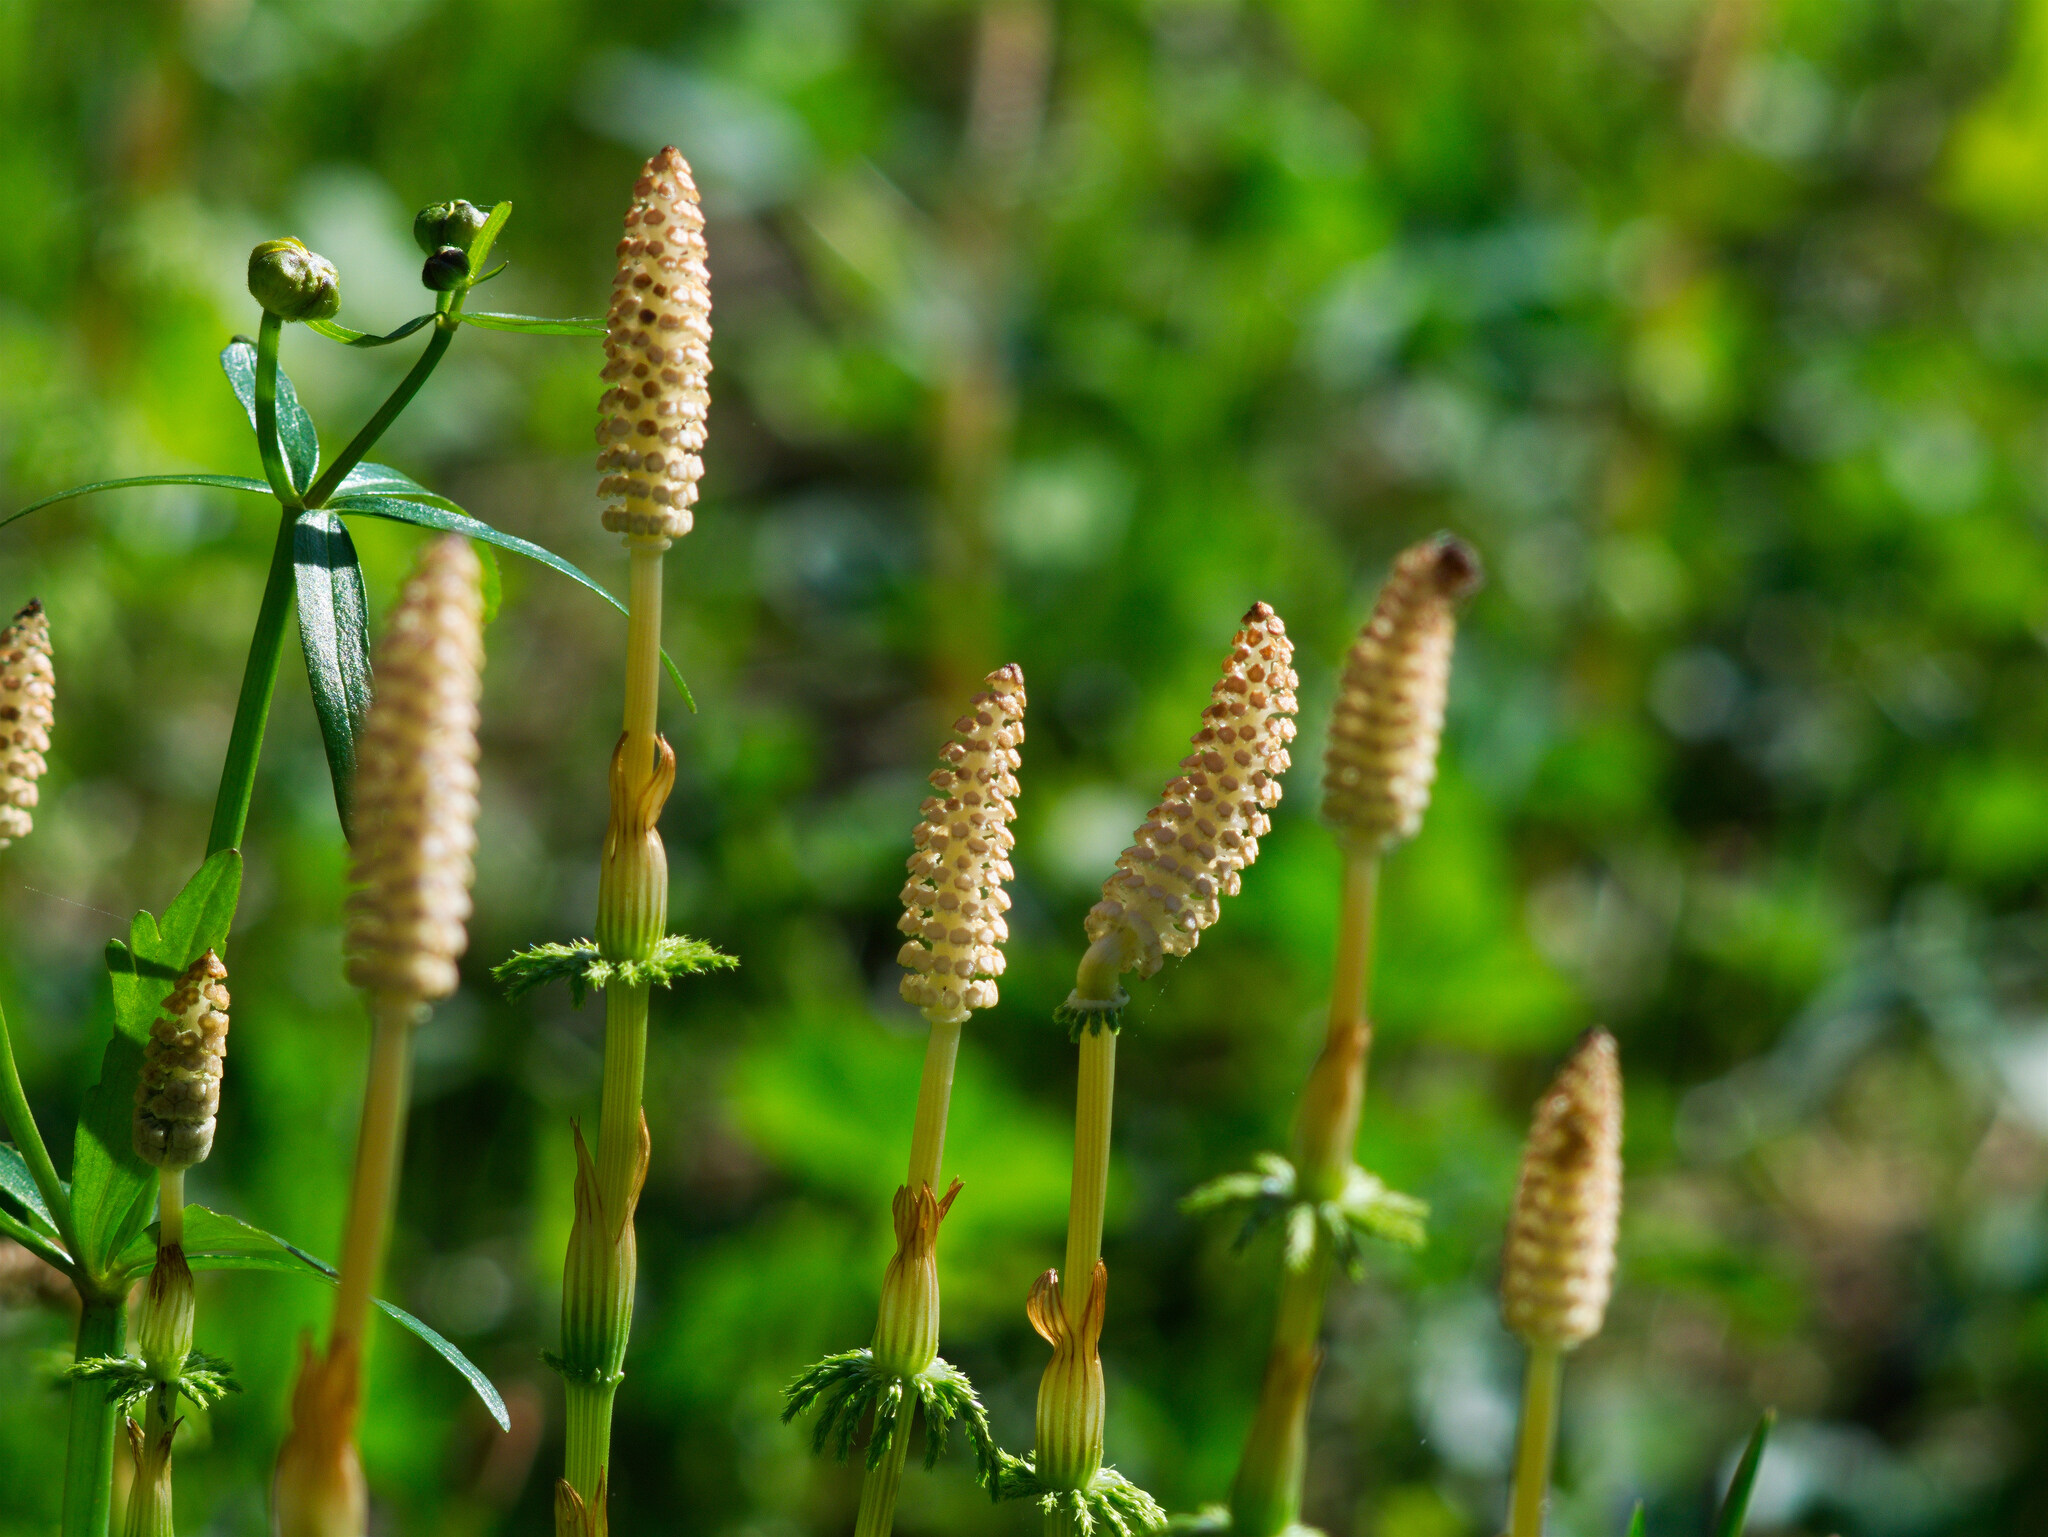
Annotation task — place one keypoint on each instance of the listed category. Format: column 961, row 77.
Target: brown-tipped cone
column 179, row 1094
column 318, row 1488
column 1389, row 714
column 1558, row 1267
column 657, row 349
column 416, row 784
column 1206, row 828
column 954, row 902
column 907, row 1328
column 1071, row 1398
column 28, row 697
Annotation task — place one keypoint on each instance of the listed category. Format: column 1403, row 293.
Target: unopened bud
column 1558, row 1267
column 954, row 902
column 1168, row 885
column 1389, row 714
column 907, row 1330
column 179, row 1095
column 28, row 697
column 600, row 1269
column 1071, row 1398
column 318, row 1488
column 148, row 1513
column 292, row 282
column 657, row 349
column 454, row 224
column 446, row 269
column 164, row 1328
column 416, row 784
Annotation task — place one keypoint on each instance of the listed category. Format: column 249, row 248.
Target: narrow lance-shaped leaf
column 535, row 325
column 353, row 338
column 382, row 480
column 112, row 1190
column 1734, row 1512
column 423, row 515
column 334, row 625
column 295, row 434
column 216, row 1241
column 219, row 482
column 19, row 1186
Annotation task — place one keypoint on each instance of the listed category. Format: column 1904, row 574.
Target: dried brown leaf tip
column 416, row 784
column 1557, row 1270
column 179, row 1095
column 657, row 349
column 28, row 696
column 954, row 902
column 1168, row 885
column 1389, row 714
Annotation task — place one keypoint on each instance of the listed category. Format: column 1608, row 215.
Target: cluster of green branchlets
column 580, row 965
column 204, row 1380
column 1086, row 1016
column 846, row 1386
column 1110, row 1499
column 1364, row 1209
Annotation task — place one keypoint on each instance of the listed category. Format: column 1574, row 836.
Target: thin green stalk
column 444, row 332
column 878, row 1491
column 1094, row 1097
column 1537, row 1445
column 21, row 1123
column 380, row 1144
column 89, row 1454
column 259, row 686
column 275, row 470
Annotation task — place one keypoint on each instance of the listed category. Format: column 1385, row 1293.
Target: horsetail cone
column 1168, row 885
column 179, row 1095
column 1558, row 1267
column 954, row 902
column 28, row 696
column 1389, row 714
column 657, row 349
column 416, row 784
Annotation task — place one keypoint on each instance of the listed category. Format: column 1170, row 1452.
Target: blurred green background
column 1057, row 333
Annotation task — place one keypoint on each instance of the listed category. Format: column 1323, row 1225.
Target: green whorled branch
column 847, row 1387
column 1109, row 1499
column 583, row 965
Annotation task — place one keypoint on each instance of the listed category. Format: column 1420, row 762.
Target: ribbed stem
column 878, row 1492
column 170, row 1206
column 149, row 1497
column 1352, row 979
column 380, row 1143
column 1537, row 1444
column 934, row 1097
column 89, row 1452
column 1094, row 1093
column 588, row 1448
column 625, row 1075
column 643, row 651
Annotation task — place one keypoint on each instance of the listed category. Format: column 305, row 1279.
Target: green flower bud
column 292, row 282
column 447, row 268
column 454, row 224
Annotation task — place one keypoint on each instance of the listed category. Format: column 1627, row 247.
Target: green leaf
column 349, row 338
column 112, row 1190
column 1734, row 1512
column 382, row 480
column 19, row 1186
column 334, row 632
column 223, row 482
column 452, row 521
column 532, row 324
column 493, row 582
column 216, row 1241
column 582, row 966
column 1635, row 1524
column 480, row 248
column 49, row 1250
column 295, row 434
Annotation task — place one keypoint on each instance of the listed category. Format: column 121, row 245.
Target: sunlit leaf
column 533, row 323
column 219, row 482
column 19, row 1186
column 295, row 434
column 350, row 338
column 334, row 633
column 382, row 480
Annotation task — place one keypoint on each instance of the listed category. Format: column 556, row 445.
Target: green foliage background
column 1057, row 334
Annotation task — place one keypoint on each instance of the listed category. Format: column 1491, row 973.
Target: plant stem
column 934, row 1098
column 588, row 1436
column 259, row 684
column 380, row 1143
column 170, row 1207
column 445, row 326
column 28, row 1140
column 275, row 470
column 1266, row 1496
column 1094, row 1093
column 1537, row 1443
column 89, row 1455
column 878, row 1491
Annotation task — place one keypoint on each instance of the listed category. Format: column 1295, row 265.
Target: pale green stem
column 89, row 1453
column 1537, row 1445
column 878, row 1491
column 1094, row 1093
column 170, row 1206
column 380, row 1144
